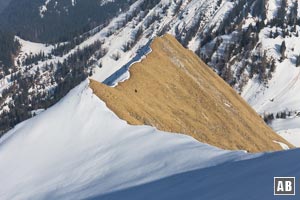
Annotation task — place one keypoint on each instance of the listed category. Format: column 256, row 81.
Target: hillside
column 231, row 181
column 173, row 90
column 61, row 20
column 3, row 4
column 148, row 99
column 252, row 44
column 79, row 149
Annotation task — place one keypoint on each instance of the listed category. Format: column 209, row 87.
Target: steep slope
column 60, row 20
column 173, row 90
column 79, row 149
column 278, row 98
column 288, row 128
column 232, row 181
column 240, row 39
column 98, row 52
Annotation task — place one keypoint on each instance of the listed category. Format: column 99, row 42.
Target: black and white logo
column 284, row 185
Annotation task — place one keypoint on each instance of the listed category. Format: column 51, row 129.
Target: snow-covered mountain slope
column 79, row 149
column 173, row 90
column 123, row 37
column 288, row 128
column 248, row 180
column 57, row 20
column 278, row 97
column 280, row 92
column 48, row 6
column 240, row 39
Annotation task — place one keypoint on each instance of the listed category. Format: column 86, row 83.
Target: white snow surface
column 79, row 149
column 33, row 48
column 103, row 2
column 73, row 2
column 281, row 93
column 283, row 146
column 43, row 9
column 289, row 129
column 272, row 9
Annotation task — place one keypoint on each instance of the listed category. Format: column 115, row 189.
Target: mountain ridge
column 79, row 149
column 243, row 41
column 173, row 90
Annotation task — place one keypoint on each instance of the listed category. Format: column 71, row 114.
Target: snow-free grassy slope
column 173, row 90
column 79, row 149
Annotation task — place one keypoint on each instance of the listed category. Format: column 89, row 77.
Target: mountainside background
column 173, row 90
column 51, row 21
column 249, row 43
column 3, row 4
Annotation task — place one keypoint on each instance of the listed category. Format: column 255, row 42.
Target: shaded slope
column 250, row 179
column 3, row 4
column 175, row 91
column 79, row 149
column 52, row 21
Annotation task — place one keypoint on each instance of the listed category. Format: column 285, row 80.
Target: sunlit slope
column 79, row 149
column 173, row 90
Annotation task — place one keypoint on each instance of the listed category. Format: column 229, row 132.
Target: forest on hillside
column 61, row 22
column 8, row 48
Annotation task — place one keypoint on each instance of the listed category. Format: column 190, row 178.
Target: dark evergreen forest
column 8, row 49
column 61, row 22
column 28, row 89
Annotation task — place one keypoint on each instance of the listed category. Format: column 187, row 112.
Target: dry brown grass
column 173, row 90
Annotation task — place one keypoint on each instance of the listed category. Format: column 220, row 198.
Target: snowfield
column 281, row 93
column 272, row 9
column 79, row 149
column 289, row 129
column 179, row 18
column 33, row 48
